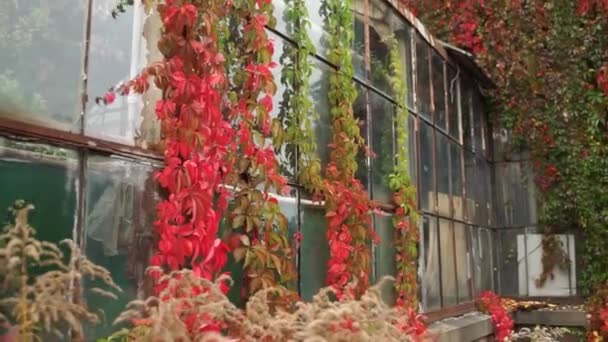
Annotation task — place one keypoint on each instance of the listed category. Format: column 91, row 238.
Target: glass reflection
column 121, row 201
column 44, row 176
column 448, row 263
column 119, row 49
column 431, row 295
column 382, row 146
column 41, row 63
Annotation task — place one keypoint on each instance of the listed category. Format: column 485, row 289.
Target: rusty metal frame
column 26, row 131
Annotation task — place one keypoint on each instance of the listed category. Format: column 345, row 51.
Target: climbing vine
column 406, row 216
column 349, row 229
column 551, row 94
column 297, row 110
column 215, row 121
column 258, row 229
column 549, row 60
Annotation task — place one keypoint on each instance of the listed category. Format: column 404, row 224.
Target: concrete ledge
column 470, row 327
column 560, row 318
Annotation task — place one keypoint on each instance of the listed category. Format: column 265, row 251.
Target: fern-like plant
column 42, row 304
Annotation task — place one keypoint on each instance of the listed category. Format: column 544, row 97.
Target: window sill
column 473, row 326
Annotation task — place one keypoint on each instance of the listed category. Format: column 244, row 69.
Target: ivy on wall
column 297, row 110
column 347, row 204
column 406, row 215
column 549, row 60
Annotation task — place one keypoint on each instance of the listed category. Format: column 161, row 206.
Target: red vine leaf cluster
column 491, row 304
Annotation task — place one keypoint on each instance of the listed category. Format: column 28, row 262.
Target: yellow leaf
column 239, row 253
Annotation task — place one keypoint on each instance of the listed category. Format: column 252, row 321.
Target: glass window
column 481, row 243
column 361, row 115
column 41, row 64
column 423, row 78
column 465, row 114
column 318, row 29
column 359, row 48
column 438, row 91
column 402, row 31
column 427, row 184
column 319, row 88
column 431, row 295
column 381, row 113
column 119, row 229
column 462, row 265
column 515, row 204
column 448, row 263
column 471, row 169
column 385, row 253
column 508, row 263
column 286, row 155
column 44, row 176
column 314, row 249
column 453, row 84
column 456, row 185
column 119, row 49
column 478, row 124
column 280, row 13
column 413, row 161
column 380, row 33
column 443, row 174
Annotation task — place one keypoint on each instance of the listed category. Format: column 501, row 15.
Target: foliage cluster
column 37, row 282
column 490, row 303
column 195, row 309
column 549, row 61
column 400, row 182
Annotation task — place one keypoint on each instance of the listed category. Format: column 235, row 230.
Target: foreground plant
column 491, row 304
column 191, row 308
column 42, row 304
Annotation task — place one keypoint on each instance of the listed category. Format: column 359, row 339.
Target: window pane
column 508, row 263
column 413, row 161
column 462, row 271
column 427, row 187
column 286, row 155
column 402, row 32
column 289, row 207
column 361, row 115
column 382, row 146
column 486, row 193
column 359, row 46
column 279, row 12
column 456, row 179
column 314, row 251
column 44, row 176
column 318, row 31
column 380, row 31
column 481, row 242
column 41, row 63
column 119, row 229
column 319, row 88
column 385, row 254
column 438, row 91
column 515, row 204
column 453, row 107
column 448, row 264
column 470, row 168
column 119, row 49
column 478, row 137
column 443, row 174
column 430, row 279
column 423, row 86
column 465, row 113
